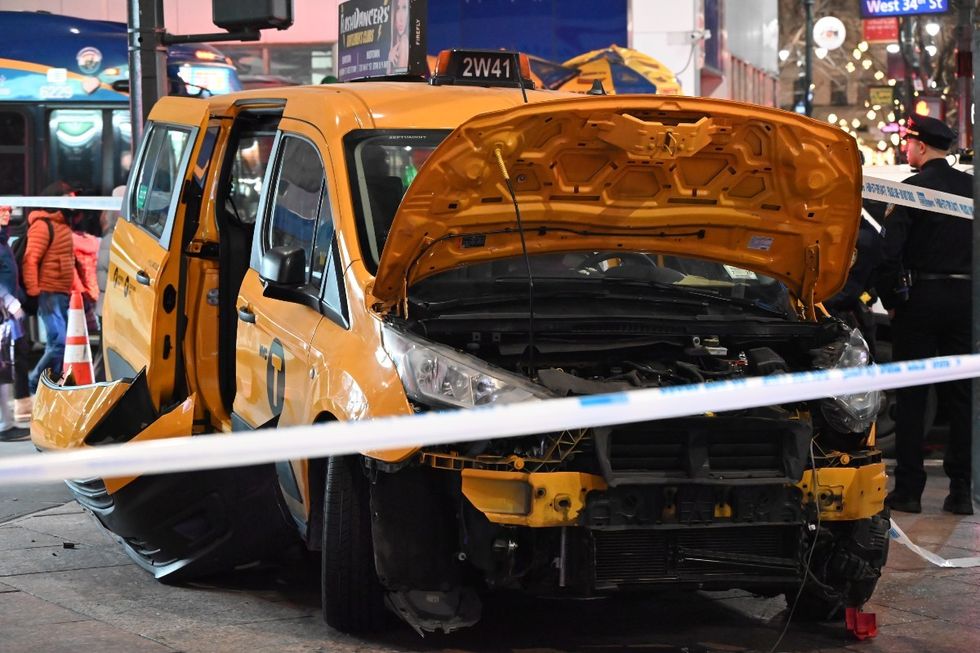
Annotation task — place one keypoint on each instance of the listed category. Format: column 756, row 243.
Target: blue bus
column 64, row 105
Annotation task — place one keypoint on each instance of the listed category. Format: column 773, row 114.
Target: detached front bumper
column 176, row 526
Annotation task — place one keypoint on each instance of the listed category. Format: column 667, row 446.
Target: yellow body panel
column 847, row 493
column 535, row 499
column 752, row 187
column 63, row 417
column 177, row 422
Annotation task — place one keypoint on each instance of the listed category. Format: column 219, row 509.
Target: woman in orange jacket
column 48, row 272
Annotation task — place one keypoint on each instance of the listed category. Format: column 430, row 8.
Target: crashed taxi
column 301, row 255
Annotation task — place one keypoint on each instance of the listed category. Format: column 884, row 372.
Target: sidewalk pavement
column 65, row 585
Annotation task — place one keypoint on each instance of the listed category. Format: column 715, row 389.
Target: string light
column 932, row 28
column 820, row 52
column 857, row 53
column 866, row 64
column 893, row 48
column 871, row 114
column 879, row 75
column 895, row 139
column 855, row 123
column 832, row 118
column 850, row 66
column 863, row 46
column 891, row 82
column 931, row 49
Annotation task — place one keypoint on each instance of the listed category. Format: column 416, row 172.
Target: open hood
column 749, row 186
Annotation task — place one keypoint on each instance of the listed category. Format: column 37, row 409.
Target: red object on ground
column 78, row 353
column 863, row 625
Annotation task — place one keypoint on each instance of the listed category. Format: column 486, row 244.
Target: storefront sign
column 880, row 30
column 881, row 95
column 881, row 8
column 829, row 33
column 382, row 37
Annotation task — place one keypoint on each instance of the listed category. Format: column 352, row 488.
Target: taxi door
column 144, row 304
column 272, row 343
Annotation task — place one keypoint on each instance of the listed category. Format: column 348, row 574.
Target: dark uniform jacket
column 920, row 241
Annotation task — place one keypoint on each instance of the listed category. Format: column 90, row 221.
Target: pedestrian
column 85, row 247
column 924, row 282
column 48, row 271
column 13, row 343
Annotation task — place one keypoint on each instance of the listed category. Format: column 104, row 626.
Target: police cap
column 930, row 131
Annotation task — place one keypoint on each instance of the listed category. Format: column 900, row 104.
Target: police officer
column 924, row 281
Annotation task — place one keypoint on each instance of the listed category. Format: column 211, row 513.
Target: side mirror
column 284, row 266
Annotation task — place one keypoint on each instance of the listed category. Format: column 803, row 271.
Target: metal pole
column 808, row 59
column 147, row 61
column 964, row 72
column 976, row 272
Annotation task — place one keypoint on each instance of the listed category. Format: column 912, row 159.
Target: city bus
column 64, row 103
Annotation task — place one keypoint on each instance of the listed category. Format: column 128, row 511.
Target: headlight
column 437, row 375
column 849, row 413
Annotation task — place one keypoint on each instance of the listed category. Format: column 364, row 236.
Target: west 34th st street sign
column 883, row 8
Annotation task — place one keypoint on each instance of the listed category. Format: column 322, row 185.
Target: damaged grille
column 645, row 557
column 704, row 448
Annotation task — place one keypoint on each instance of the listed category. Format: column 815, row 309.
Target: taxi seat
column 384, row 191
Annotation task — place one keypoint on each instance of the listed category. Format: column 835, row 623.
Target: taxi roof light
column 482, row 68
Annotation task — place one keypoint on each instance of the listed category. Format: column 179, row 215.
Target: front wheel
column 352, row 596
column 844, row 570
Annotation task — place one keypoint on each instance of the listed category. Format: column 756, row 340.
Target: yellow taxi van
column 299, row 255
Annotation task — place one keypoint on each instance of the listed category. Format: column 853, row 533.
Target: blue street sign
column 884, row 8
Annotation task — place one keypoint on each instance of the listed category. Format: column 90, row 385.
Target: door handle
column 143, row 277
column 246, row 315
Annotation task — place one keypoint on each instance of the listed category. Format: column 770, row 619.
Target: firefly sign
column 884, row 8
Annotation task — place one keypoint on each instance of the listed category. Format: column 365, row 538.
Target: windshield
column 381, row 165
column 615, row 275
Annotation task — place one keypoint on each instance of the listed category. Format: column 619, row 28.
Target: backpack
column 18, row 248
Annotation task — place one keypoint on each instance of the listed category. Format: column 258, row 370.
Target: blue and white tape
column 80, row 203
column 894, row 192
column 448, row 427
column 898, row 535
column 874, row 188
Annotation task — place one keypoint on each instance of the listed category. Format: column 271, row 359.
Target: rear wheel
column 352, row 596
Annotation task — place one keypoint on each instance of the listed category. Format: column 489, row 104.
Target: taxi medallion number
column 487, row 66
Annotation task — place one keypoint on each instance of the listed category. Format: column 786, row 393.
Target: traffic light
column 930, row 105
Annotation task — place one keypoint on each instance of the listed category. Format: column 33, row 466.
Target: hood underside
column 745, row 185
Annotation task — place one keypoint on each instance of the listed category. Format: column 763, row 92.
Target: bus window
column 13, row 153
column 75, row 138
column 122, row 146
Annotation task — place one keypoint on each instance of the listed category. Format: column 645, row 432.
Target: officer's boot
column 959, row 501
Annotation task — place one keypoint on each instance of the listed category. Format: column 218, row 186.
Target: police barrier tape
column 457, row 426
column 80, row 203
column 899, row 536
column 873, row 188
column 894, row 192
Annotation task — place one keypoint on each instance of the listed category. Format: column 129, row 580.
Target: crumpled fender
column 113, row 412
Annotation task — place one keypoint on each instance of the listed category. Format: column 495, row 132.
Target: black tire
column 858, row 557
column 352, row 597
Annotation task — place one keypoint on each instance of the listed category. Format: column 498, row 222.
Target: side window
column 159, row 177
column 251, row 158
column 296, row 200
column 322, row 250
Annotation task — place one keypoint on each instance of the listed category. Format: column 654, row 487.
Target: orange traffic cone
column 78, row 353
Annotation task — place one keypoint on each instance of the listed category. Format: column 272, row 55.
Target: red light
column 442, row 63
